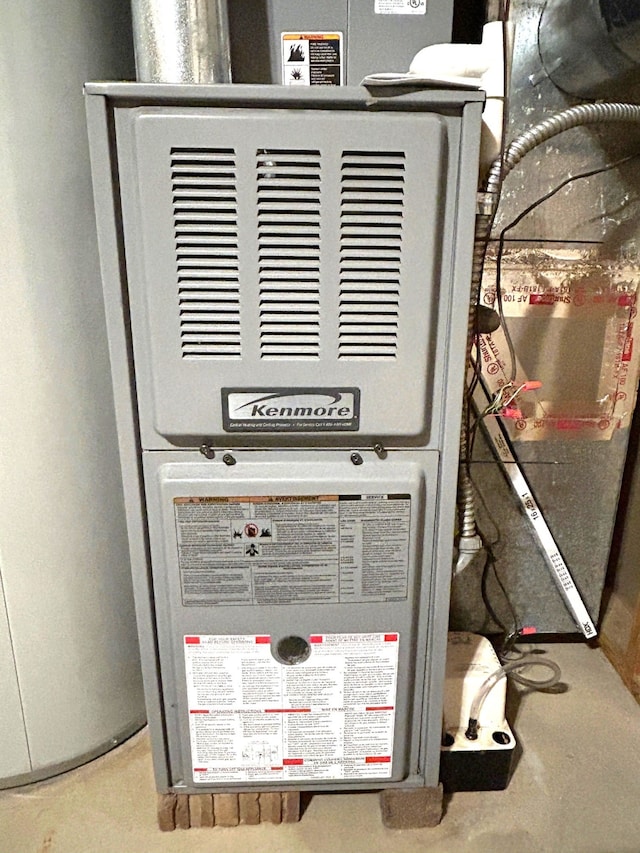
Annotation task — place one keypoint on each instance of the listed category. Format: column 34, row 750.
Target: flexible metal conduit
column 602, row 113
column 552, row 126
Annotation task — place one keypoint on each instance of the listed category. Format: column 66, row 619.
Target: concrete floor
column 576, row 788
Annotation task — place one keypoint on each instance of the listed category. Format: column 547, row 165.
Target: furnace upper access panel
column 288, row 267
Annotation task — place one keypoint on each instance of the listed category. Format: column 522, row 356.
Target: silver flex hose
column 577, row 116
column 550, row 127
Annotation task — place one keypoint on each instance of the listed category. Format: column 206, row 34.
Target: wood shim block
column 249, row 809
column 167, row 812
column 270, row 807
column 290, row 806
column 411, row 808
column 225, row 809
column 182, row 811
column 201, row 810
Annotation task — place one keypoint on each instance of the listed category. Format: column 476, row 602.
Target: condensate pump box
column 283, row 277
column 333, row 42
column 485, row 763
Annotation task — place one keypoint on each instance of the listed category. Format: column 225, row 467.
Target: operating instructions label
column 252, row 718
column 301, row 549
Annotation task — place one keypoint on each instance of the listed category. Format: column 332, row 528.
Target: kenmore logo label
column 290, row 409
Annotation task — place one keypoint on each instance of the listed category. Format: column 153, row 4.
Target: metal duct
column 591, row 48
column 181, row 41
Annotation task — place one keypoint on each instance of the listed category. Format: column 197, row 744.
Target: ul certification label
column 293, row 550
column 312, row 59
column 252, row 718
column 401, row 7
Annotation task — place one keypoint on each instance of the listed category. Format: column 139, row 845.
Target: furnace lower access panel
column 289, row 591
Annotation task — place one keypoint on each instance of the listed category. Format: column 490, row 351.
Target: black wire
column 606, row 168
column 502, row 239
column 512, row 635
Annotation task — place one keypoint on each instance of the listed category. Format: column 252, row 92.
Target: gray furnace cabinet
column 286, row 277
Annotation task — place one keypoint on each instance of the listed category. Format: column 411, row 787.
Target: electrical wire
column 518, row 219
column 509, row 635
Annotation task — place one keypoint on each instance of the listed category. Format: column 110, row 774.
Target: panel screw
column 356, row 459
column 228, row 459
column 380, row 451
column 207, row 450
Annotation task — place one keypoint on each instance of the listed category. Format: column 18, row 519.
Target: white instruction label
column 312, row 59
column 252, row 718
column 401, row 7
column 296, row 549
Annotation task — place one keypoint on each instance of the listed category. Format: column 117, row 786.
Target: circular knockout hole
column 447, row 739
column 292, row 650
column 501, row 738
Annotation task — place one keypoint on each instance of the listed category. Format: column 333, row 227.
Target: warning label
column 295, row 549
column 312, row 59
column 401, row 7
column 252, row 718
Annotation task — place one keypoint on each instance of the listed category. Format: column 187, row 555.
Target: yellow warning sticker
column 312, row 59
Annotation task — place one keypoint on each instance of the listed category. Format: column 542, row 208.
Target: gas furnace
column 286, row 277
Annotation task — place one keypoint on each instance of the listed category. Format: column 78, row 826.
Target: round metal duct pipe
column 591, row 48
column 69, row 666
column 181, row 41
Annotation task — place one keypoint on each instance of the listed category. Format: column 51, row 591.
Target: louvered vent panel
column 289, row 253
column 371, row 220
column 206, row 238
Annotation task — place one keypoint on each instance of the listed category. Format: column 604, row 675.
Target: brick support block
column 290, row 806
column 249, row 808
column 167, row 812
column 411, row 808
column 225, row 809
column 270, row 808
column 182, row 811
column 201, row 810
